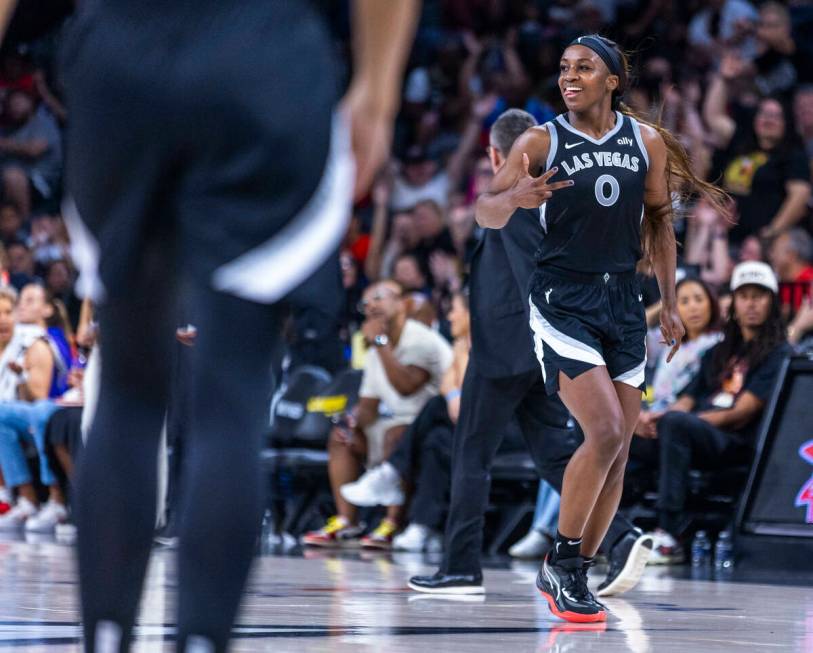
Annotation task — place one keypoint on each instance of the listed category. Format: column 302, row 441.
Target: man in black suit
column 504, row 379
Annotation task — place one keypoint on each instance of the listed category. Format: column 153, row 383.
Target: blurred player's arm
column 660, row 235
column 516, row 184
column 382, row 35
column 7, row 8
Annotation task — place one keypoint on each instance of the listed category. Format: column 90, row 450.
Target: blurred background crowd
column 732, row 79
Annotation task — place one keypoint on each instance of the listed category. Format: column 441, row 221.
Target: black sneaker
column 440, row 583
column 564, row 586
column 627, row 561
column 586, row 564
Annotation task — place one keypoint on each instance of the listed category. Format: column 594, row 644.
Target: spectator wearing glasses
column 402, row 371
column 422, row 459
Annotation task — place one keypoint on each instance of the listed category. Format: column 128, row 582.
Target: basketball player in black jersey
column 203, row 148
column 604, row 199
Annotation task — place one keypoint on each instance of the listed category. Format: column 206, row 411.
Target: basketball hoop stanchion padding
column 775, row 518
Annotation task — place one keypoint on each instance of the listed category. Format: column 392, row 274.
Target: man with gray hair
column 791, row 255
column 503, row 379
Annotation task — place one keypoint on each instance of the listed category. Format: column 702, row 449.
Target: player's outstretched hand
column 530, row 192
column 672, row 331
column 371, row 134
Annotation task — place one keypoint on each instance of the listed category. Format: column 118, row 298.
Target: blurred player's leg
column 116, row 478
column 221, row 487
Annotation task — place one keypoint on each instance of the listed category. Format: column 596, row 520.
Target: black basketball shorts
column 583, row 321
column 205, row 145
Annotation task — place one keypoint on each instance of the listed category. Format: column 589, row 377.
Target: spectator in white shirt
column 403, row 370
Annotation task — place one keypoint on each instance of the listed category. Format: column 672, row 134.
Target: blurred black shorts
column 202, row 139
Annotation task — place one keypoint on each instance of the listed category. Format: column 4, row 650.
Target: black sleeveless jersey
column 594, row 226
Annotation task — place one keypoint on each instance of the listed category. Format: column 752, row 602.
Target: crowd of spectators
column 732, row 79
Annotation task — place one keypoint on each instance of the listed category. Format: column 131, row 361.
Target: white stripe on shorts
column 271, row 270
column 85, row 253
column 539, row 350
column 561, row 343
column 635, row 376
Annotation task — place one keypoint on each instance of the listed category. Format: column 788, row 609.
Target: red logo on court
column 805, row 496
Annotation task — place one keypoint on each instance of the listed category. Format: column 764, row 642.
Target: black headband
column 608, row 55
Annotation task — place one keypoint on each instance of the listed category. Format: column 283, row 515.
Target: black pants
column 686, row 442
column 487, row 406
column 186, row 173
column 424, row 456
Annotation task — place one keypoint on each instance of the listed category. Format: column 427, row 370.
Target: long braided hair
column 683, row 183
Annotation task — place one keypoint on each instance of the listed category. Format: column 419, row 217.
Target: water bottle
column 266, row 532
column 724, row 551
column 701, row 549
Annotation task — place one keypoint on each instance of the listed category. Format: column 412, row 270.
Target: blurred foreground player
column 202, row 146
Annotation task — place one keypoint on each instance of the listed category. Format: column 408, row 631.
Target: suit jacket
column 501, row 268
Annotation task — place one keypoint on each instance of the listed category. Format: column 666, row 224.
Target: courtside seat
column 338, row 397
column 711, row 501
column 514, row 484
column 290, row 404
column 297, row 460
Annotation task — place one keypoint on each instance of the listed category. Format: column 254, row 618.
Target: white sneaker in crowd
column 666, row 550
column 379, row 486
column 14, row 519
column 47, row 517
column 65, row 533
column 418, row 538
column 533, row 546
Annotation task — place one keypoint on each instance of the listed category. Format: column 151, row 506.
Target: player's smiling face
column 583, row 78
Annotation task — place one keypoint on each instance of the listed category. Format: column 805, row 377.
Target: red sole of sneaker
column 322, row 544
column 573, row 617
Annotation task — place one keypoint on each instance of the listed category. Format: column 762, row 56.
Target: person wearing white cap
column 713, row 423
